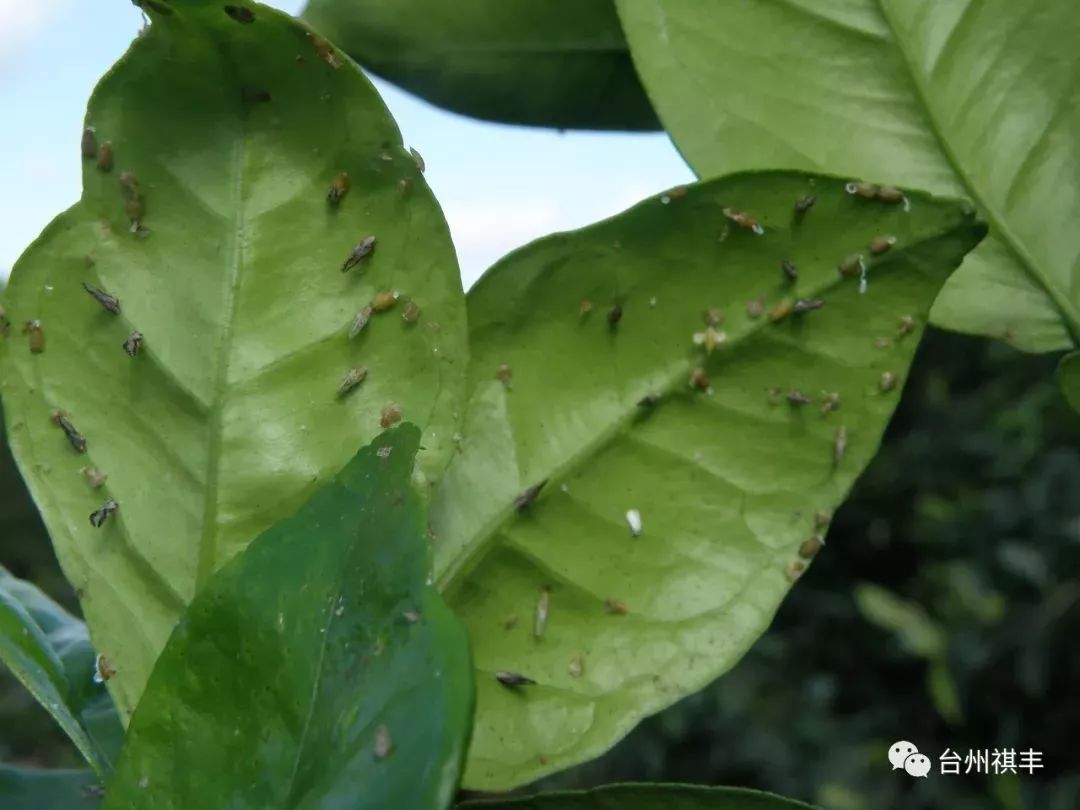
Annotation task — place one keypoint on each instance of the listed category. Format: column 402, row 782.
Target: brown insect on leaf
column 411, row 312
column 794, row 570
column 325, row 50
column 797, row 398
column 809, row 548
column 504, row 374
column 755, row 309
column 390, row 416
column 103, row 670
column 699, row 379
column 850, row 265
column 101, row 514
column 108, row 302
column 36, row 336
column 790, row 271
column 821, row 519
column 803, row 305
column 352, row 379
column 75, row 439
column 526, row 498
column 744, row 220
column 418, row 158
column 713, row 316
column 94, row 477
column 881, row 244
column 360, row 321
column 804, row 204
column 781, row 311
column 616, row 607
column 830, row 402
column 89, row 143
column 887, row 382
column 584, row 308
column 513, row 679
column 364, row 248
column 839, row 444
column 865, row 190
column 614, row 315
column 890, row 194
column 105, row 157
column 906, row 326
column 339, row 187
column 384, row 300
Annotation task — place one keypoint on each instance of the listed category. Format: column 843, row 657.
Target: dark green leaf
column 727, row 483
column 644, row 797
column 30, row 789
column 228, row 417
column 561, row 63
column 966, row 98
column 49, row 651
column 1069, row 378
column 277, row 687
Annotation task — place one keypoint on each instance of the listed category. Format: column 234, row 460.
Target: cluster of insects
column 708, row 340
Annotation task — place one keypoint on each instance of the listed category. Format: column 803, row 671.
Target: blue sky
column 500, row 187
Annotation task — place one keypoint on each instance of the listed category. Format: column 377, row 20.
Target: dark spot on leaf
column 240, row 13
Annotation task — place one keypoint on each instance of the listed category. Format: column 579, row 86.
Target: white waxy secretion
column 633, row 520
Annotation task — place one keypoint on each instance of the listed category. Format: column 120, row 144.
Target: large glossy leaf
column 727, row 480
column 971, row 97
column 318, row 669
column 29, row 789
column 644, row 797
column 49, row 651
column 230, row 415
column 559, row 63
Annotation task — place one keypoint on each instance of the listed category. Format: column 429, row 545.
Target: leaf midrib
column 1068, row 311
column 207, row 558
column 460, row 568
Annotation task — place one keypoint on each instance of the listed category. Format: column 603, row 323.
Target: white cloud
column 21, row 21
column 485, row 231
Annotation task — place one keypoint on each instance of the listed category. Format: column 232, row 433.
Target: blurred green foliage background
column 944, row 610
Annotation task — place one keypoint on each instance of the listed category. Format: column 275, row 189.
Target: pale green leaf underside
column 979, row 98
column 643, row 797
column 228, row 418
column 726, row 484
column 560, row 63
column 48, row 650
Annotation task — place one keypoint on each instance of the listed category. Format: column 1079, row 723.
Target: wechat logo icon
column 905, row 756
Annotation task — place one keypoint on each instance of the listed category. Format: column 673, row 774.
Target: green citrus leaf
column 974, row 99
column 31, row 789
column 644, row 797
column 562, row 63
column 726, row 481
column 317, row 669
column 229, row 415
column 49, row 651
column 1069, row 379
